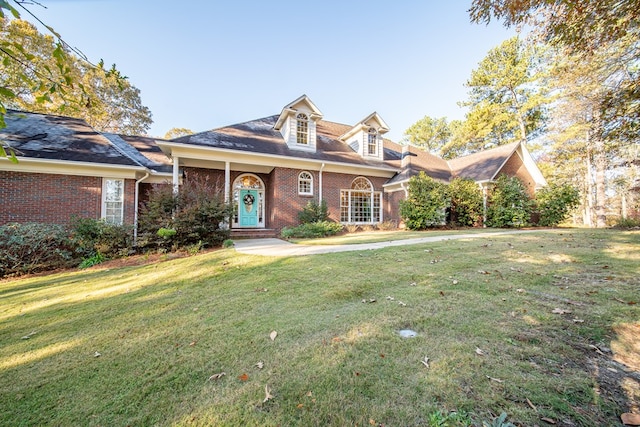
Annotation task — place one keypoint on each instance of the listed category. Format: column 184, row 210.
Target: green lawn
column 539, row 325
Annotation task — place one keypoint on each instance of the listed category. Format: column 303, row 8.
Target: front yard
column 543, row 326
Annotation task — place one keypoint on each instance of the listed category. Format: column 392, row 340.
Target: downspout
column 176, row 174
column 136, row 198
column 320, row 184
column 484, row 205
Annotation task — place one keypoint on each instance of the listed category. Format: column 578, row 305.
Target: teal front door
column 248, row 209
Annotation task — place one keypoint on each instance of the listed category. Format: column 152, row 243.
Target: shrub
column 34, row 247
column 627, row 223
column 312, row 230
column 314, row 212
column 94, row 236
column 426, row 204
column 352, row 228
column 388, row 225
column 555, row 202
column 91, row 261
column 196, row 215
column 509, row 205
column 466, row 207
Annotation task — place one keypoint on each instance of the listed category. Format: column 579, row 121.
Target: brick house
column 270, row 168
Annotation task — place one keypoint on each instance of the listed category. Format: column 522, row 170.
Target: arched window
column 372, row 140
column 305, row 183
column 360, row 204
column 302, row 129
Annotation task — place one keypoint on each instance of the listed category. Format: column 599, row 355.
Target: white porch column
column 227, row 183
column 176, row 173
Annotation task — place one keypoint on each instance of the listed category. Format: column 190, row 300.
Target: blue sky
column 206, row 64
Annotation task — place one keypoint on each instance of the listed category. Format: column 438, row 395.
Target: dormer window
column 302, row 129
column 372, row 145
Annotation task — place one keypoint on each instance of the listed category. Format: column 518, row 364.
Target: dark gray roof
column 258, row 136
column 143, row 150
column 483, row 165
column 45, row 136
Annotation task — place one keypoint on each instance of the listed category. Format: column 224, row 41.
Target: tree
column 429, row 132
column 103, row 97
column 177, row 133
column 506, row 102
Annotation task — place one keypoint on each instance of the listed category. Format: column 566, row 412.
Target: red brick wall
column 50, row 198
column 392, row 206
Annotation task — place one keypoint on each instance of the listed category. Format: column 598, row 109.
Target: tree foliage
column 39, row 74
column 426, row 203
column 509, row 204
column 506, row 104
column 429, row 132
column 466, row 207
column 177, row 133
column 555, row 202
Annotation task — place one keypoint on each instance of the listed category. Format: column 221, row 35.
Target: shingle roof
column 258, row 136
column 45, row 136
column 484, row 165
column 143, row 150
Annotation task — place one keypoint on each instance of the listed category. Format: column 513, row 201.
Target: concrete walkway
column 277, row 247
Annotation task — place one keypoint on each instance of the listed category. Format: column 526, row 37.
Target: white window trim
column 302, row 117
column 372, row 196
column 301, row 193
column 372, row 133
column 103, row 213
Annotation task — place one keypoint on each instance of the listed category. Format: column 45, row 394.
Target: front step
column 253, row 233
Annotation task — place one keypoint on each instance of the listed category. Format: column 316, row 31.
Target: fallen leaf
column 520, row 290
column 597, row 350
column 216, row 376
column 531, row 404
column 96, row 354
column 479, row 352
column 413, row 284
column 560, row 311
column 28, row 336
column 498, row 380
column 630, row 419
column 268, row 396
column 425, row 361
column 390, row 298
column 441, row 293
column 192, row 343
column 259, row 365
column 382, row 355
column 483, row 272
column 309, row 394
column 578, row 320
column 243, row 377
column 372, row 421
column 300, row 405
column 454, row 282
column 401, row 304
column 548, row 420
column 273, row 335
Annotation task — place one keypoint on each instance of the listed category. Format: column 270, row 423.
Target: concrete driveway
column 281, row 248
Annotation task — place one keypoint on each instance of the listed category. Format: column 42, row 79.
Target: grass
column 139, row 345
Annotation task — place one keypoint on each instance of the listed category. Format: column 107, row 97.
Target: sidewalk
column 281, row 248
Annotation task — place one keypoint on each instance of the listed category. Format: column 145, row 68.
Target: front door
column 248, row 209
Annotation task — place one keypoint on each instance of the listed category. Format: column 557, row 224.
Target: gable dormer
column 297, row 124
column 366, row 137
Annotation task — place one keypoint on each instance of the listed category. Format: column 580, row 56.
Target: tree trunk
column 588, row 211
column 600, row 162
